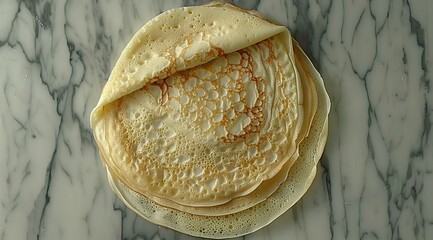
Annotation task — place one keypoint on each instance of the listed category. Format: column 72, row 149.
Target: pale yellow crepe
column 206, row 118
column 267, row 187
column 206, row 128
column 300, row 177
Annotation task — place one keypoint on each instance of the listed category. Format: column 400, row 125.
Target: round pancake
column 267, row 187
column 209, row 124
column 299, row 179
column 237, row 127
column 210, row 128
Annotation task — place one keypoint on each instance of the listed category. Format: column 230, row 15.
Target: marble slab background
column 375, row 180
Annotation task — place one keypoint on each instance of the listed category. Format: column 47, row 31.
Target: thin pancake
column 301, row 175
column 267, row 187
column 211, row 133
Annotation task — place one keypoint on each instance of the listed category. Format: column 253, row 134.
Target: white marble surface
column 375, row 180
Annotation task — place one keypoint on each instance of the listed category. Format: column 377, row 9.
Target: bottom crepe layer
column 299, row 179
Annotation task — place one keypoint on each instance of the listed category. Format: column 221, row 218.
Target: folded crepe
column 211, row 116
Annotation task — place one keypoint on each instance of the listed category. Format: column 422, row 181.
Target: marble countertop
column 374, row 181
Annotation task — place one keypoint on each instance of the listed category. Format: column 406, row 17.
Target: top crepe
column 200, row 110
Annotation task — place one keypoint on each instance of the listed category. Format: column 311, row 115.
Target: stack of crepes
column 212, row 121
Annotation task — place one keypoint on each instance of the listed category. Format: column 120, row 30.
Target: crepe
column 299, row 179
column 204, row 119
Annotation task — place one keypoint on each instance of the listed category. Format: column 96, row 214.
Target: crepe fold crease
column 211, row 120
